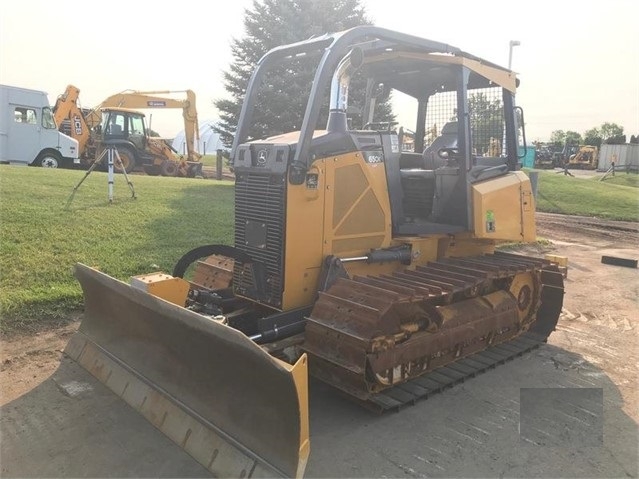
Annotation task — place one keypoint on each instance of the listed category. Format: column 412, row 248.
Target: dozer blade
column 237, row 410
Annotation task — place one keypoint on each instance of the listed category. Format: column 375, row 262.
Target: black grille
column 260, row 205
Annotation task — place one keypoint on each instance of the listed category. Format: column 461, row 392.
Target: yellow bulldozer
column 366, row 266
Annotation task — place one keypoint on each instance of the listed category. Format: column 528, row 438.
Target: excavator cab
column 367, row 264
column 125, row 130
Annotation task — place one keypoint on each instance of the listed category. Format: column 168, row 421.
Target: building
column 209, row 140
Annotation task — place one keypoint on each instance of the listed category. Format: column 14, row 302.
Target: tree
column 572, row 138
column 557, row 137
column 270, row 23
column 606, row 133
column 561, row 138
column 616, row 140
column 610, row 130
column 593, row 137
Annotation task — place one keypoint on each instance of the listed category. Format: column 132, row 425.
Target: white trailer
column 28, row 132
column 626, row 157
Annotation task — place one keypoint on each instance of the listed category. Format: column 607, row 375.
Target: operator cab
column 432, row 158
column 122, row 125
column 438, row 119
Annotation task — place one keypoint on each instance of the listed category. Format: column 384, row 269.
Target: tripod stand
column 113, row 158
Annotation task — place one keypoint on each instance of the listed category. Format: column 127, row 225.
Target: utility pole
column 513, row 43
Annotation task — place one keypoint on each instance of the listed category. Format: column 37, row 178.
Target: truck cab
column 28, row 131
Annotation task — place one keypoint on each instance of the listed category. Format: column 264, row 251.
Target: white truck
column 28, row 132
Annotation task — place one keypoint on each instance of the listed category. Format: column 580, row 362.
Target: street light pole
column 513, row 43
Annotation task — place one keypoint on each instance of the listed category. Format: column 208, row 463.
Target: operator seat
column 446, row 139
column 115, row 130
column 419, row 184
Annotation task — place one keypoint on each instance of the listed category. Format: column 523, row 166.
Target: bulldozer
column 355, row 262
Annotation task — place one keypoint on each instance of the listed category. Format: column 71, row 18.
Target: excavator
column 355, row 262
column 116, row 121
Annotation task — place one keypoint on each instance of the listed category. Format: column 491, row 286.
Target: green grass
column 211, row 160
column 617, row 199
column 45, row 230
column 43, row 234
column 621, row 179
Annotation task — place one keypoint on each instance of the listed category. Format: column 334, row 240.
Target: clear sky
column 578, row 60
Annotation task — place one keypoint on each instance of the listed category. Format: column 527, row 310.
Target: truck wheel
column 128, row 160
column 48, row 159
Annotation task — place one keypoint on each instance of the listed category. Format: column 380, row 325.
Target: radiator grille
column 260, row 202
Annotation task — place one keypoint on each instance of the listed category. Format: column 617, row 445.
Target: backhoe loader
column 117, row 122
column 368, row 267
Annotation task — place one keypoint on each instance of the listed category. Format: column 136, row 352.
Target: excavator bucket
column 194, row 169
column 236, row 409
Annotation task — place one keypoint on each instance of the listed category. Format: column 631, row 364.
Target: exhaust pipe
column 339, row 90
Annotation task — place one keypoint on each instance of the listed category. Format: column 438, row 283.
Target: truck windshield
column 48, row 120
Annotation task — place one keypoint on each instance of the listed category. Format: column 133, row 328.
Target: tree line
column 607, row 133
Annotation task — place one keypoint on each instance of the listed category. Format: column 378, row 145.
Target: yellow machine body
column 173, row 290
column 348, row 214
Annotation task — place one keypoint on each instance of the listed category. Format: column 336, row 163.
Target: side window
column 116, row 124
column 487, row 124
column 137, row 125
column 441, row 130
column 48, row 121
column 406, row 106
column 25, row 115
column 120, row 121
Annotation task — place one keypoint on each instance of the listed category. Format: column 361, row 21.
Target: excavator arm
column 66, row 108
column 158, row 99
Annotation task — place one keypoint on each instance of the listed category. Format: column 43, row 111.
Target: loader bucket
column 237, row 410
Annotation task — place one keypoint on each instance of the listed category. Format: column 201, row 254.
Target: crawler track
column 440, row 379
column 390, row 340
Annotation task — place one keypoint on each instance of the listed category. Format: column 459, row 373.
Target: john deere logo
column 261, row 157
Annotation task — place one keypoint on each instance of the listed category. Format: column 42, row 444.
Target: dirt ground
column 51, row 429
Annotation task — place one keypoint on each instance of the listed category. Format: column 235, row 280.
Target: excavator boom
column 161, row 99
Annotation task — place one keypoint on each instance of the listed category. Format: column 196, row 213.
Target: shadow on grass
column 198, row 216
column 73, row 205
